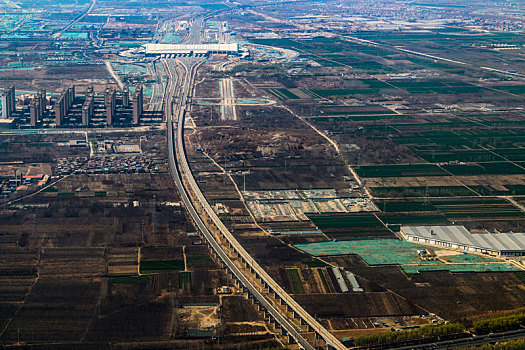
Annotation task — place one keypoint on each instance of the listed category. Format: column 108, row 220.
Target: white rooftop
column 459, row 234
column 184, row 48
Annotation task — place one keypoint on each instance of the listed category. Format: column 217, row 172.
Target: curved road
column 175, row 115
column 176, row 149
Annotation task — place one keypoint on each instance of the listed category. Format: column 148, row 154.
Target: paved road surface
column 176, row 111
column 89, row 9
column 228, row 109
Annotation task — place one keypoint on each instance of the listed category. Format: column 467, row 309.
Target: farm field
column 446, row 135
column 350, row 226
column 295, row 279
column 432, row 141
column 400, row 170
column 352, row 119
column 75, row 266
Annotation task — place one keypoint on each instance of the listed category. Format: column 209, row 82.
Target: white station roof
column 184, row 48
column 460, row 235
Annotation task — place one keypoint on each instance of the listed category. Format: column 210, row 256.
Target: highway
column 176, row 149
column 228, row 111
column 178, row 95
column 433, row 57
column 114, row 75
column 78, row 18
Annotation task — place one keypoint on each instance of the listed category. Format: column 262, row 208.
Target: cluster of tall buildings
column 63, row 104
column 92, row 112
column 8, row 102
column 37, row 107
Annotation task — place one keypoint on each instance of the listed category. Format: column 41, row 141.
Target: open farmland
column 349, row 120
column 106, row 263
column 397, row 143
column 441, row 136
column 351, row 226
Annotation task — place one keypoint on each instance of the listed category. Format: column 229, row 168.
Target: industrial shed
column 458, row 237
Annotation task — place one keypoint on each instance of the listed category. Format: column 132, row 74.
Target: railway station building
column 168, row 50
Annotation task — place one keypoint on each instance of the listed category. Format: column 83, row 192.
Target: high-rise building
column 8, row 102
column 43, row 100
column 59, row 110
column 86, row 118
column 66, row 96
column 87, row 110
column 38, row 104
column 125, row 97
column 138, row 104
column 6, row 108
column 71, row 93
column 111, row 106
column 13, row 98
column 141, row 98
column 33, row 112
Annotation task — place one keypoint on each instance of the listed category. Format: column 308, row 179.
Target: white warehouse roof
column 184, row 48
column 460, row 235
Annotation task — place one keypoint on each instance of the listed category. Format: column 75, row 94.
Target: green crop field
column 66, row 194
column 200, row 261
column 493, row 168
column 359, row 113
column 415, row 219
column 516, row 189
column 323, row 279
column 348, row 226
column 513, row 89
column 461, row 156
column 327, row 222
column 295, row 280
column 377, row 84
column 479, row 208
column 162, row 265
column 515, row 154
column 342, row 110
column 396, row 207
column 400, row 170
column 314, row 263
column 283, row 94
column 413, row 191
column 288, row 93
column 444, row 211
column 345, row 92
column 360, row 118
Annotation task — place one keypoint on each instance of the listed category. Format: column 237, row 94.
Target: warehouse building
column 458, row 237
